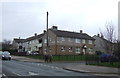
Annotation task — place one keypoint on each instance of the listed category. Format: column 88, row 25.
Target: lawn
column 65, row 57
column 107, row 64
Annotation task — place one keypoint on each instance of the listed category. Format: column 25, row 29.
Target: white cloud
column 25, row 17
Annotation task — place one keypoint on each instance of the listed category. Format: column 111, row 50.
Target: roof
column 28, row 39
column 61, row 33
column 34, row 37
column 102, row 39
column 19, row 40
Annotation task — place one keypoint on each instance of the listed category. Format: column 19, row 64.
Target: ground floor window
column 90, row 49
column 77, row 50
column 63, row 48
column 70, row 49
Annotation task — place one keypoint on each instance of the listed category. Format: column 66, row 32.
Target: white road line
column 4, row 75
column 32, row 73
column 16, row 74
column 48, row 66
column 52, row 67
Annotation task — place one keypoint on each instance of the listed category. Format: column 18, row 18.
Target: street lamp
column 85, row 47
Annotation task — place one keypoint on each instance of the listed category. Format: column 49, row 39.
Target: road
column 18, row 68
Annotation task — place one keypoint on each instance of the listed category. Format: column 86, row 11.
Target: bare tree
column 110, row 32
column 108, row 37
column 6, row 44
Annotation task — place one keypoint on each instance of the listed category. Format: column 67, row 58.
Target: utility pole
column 47, row 34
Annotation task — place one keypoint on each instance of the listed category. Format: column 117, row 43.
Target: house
column 17, row 44
column 67, row 43
column 29, row 44
column 60, row 42
column 103, row 45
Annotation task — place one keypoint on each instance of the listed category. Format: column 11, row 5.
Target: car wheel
column 9, row 59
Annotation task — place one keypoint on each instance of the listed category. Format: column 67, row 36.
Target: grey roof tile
column 69, row 34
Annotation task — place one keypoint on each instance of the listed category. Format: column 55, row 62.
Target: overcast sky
column 24, row 18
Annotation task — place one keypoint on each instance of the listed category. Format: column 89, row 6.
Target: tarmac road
column 19, row 68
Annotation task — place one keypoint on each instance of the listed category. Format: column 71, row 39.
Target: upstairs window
column 45, row 40
column 83, row 41
column 62, row 39
column 77, row 40
column 89, row 41
column 69, row 39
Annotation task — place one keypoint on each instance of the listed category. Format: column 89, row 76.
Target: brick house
column 103, row 45
column 17, row 44
column 67, row 43
column 60, row 42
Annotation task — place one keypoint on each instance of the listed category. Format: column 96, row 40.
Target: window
column 90, row 49
column 45, row 40
column 63, row 48
column 89, row 41
column 62, row 39
column 69, row 39
column 45, row 50
column 83, row 41
column 50, row 50
column 77, row 40
column 50, row 39
column 70, row 49
column 77, row 50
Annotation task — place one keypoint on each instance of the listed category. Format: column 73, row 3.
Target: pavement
column 98, row 70
column 25, row 59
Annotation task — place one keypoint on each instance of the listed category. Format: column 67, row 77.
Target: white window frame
column 90, row 42
column 63, row 48
column 77, row 40
column 70, row 49
column 45, row 40
column 77, row 50
column 83, row 41
column 90, row 49
column 62, row 39
column 69, row 39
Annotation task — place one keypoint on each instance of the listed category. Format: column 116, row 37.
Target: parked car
column 108, row 58
column 5, row 55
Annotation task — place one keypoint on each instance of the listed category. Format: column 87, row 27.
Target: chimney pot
column 44, row 31
column 54, row 27
column 81, row 31
column 98, row 35
column 35, row 34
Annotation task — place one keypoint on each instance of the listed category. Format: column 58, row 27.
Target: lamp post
column 47, row 34
column 85, row 47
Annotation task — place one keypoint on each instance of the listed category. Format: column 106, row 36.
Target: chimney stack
column 81, row 31
column 102, row 36
column 35, row 34
column 54, row 27
column 44, row 31
column 98, row 35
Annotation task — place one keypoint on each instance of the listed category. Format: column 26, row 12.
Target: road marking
column 48, row 66
column 4, row 75
column 16, row 74
column 44, row 65
column 52, row 67
column 32, row 73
